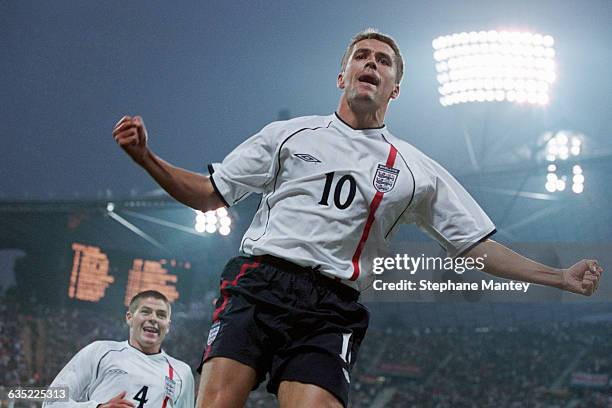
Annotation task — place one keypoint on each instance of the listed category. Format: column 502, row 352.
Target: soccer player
column 134, row 373
column 333, row 190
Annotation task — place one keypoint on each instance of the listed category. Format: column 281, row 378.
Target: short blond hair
column 374, row 34
column 153, row 294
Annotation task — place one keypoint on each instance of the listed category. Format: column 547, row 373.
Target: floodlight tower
column 486, row 71
column 562, row 152
column 494, row 66
column 497, row 68
column 213, row 221
column 510, row 74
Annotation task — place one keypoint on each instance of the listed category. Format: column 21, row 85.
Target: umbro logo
column 116, row 371
column 307, row 158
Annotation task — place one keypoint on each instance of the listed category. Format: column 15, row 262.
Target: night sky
column 207, row 75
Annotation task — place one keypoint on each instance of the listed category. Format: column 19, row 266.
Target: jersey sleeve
column 248, row 168
column 77, row 376
column 449, row 214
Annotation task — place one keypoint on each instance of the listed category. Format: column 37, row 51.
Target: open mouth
column 369, row 78
column 151, row 330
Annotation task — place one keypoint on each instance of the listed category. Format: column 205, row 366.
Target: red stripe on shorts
column 243, row 269
column 371, row 217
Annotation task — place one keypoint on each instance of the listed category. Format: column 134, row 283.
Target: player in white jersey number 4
column 333, row 189
column 134, row 373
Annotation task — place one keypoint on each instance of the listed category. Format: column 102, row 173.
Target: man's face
column 149, row 324
column 369, row 76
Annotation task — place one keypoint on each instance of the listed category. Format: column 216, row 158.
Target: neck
column 358, row 117
column 145, row 350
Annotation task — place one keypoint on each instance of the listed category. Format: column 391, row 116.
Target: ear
column 340, row 81
column 128, row 318
column 396, row 92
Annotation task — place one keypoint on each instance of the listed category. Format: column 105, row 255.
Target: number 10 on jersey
column 352, row 186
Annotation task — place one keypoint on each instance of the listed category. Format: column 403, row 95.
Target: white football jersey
column 332, row 195
column 104, row 369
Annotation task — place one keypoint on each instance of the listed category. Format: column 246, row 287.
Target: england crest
column 385, row 177
column 212, row 334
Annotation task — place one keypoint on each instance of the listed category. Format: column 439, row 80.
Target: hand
column 117, row 402
column 583, row 277
column 130, row 133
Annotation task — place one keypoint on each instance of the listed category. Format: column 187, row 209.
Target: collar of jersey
column 345, row 127
column 159, row 353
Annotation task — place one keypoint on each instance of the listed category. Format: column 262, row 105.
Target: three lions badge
column 384, row 179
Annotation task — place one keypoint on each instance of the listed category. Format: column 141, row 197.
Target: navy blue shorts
column 289, row 322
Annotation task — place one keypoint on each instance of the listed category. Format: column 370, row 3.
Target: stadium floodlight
column 200, row 217
column 211, row 217
column 560, row 184
column 578, row 188
column 493, row 66
column 213, row 221
column 200, row 222
column 562, row 144
column 577, row 179
column 557, row 149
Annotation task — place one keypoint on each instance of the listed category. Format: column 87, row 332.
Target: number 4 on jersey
column 141, row 396
column 329, row 178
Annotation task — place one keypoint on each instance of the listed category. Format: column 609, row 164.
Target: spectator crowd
column 539, row 366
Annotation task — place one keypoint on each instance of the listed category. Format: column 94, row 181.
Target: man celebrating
column 333, row 190
column 132, row 373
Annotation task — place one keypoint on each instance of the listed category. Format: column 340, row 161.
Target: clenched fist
column 130, row 133
column 583, row 277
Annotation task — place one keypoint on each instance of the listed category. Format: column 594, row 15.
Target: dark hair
column 374, row 34
column 147, row 294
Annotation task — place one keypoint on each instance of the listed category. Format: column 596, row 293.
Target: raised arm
column 192, row 189
column 582, row 278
